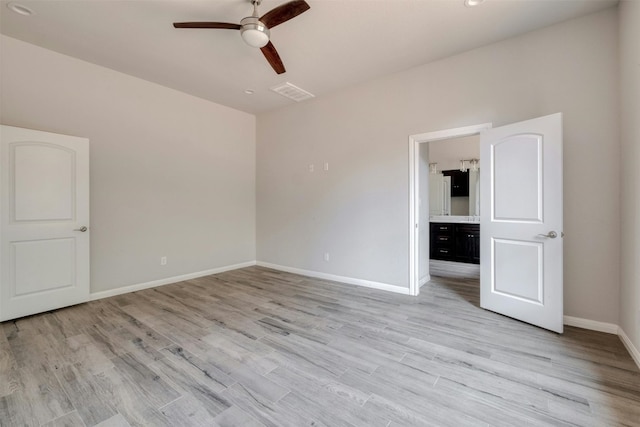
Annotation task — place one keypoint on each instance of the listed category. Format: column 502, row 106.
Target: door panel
column 44, row 255
column 519, row 199
column 43, row 182
column 521, row 223
column 517, row 268
column 55, row 261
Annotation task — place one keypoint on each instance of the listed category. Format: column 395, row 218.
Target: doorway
column 454, row 208
column 521, row 247
column 419, row 201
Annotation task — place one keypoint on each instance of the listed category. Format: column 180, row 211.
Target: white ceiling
column 336, row 44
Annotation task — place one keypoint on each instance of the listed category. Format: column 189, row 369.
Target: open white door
column 521, row 225
column 44, row 220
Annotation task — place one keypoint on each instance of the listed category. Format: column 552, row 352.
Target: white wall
column 358, row 210
column 629, row 12
column 171, row 174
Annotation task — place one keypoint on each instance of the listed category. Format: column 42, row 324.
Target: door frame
column 414, row 192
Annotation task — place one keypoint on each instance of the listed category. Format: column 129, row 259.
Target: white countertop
column 455, row 218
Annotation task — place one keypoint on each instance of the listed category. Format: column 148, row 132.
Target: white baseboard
column 424, row 280
column 140, row 286
column 335, row 278
column 635, row 354
column 593, row 325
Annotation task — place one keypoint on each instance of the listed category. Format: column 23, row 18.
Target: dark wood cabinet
column 459, row 182
column 455, row 242
column 442, row 241
column 467, row 243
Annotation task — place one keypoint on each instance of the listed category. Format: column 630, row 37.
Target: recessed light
column 249, row 91
column 19, row 9
column 473, row 3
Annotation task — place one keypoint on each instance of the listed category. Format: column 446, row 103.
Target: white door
column 521, row 225
column 44, row 221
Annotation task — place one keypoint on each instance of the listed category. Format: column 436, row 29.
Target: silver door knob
column 82, row 229
column 551, row 235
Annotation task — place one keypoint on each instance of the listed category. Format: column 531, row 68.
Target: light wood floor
column 454, row 269
column 258, row 347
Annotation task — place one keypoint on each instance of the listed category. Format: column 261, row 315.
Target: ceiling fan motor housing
column 254, row 32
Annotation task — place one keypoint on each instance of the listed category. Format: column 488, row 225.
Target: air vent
column 292, row 92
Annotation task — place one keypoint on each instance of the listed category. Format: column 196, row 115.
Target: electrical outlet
column 311, row 168
column 326, row 166
column 326, row 256
column 163, row 260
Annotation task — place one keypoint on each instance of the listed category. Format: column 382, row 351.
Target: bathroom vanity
column 455, row 238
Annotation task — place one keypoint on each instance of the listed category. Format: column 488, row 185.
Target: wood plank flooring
column 258, row 347
column 454, row 269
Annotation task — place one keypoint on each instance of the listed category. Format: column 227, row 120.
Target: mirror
column 454, row 193
column 454, row 173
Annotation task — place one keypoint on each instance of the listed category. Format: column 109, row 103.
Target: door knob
column 82, row 229
column 551, row 235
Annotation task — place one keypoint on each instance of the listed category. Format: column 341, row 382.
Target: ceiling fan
column 255, row 30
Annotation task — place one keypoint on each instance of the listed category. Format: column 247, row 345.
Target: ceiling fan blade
column 221, row 25
column 284, row 12
column 269, row 51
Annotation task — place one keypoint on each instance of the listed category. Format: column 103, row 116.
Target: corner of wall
column 629, row 87
column 633, row 350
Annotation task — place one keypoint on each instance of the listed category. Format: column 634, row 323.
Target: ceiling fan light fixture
column 253, row 32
